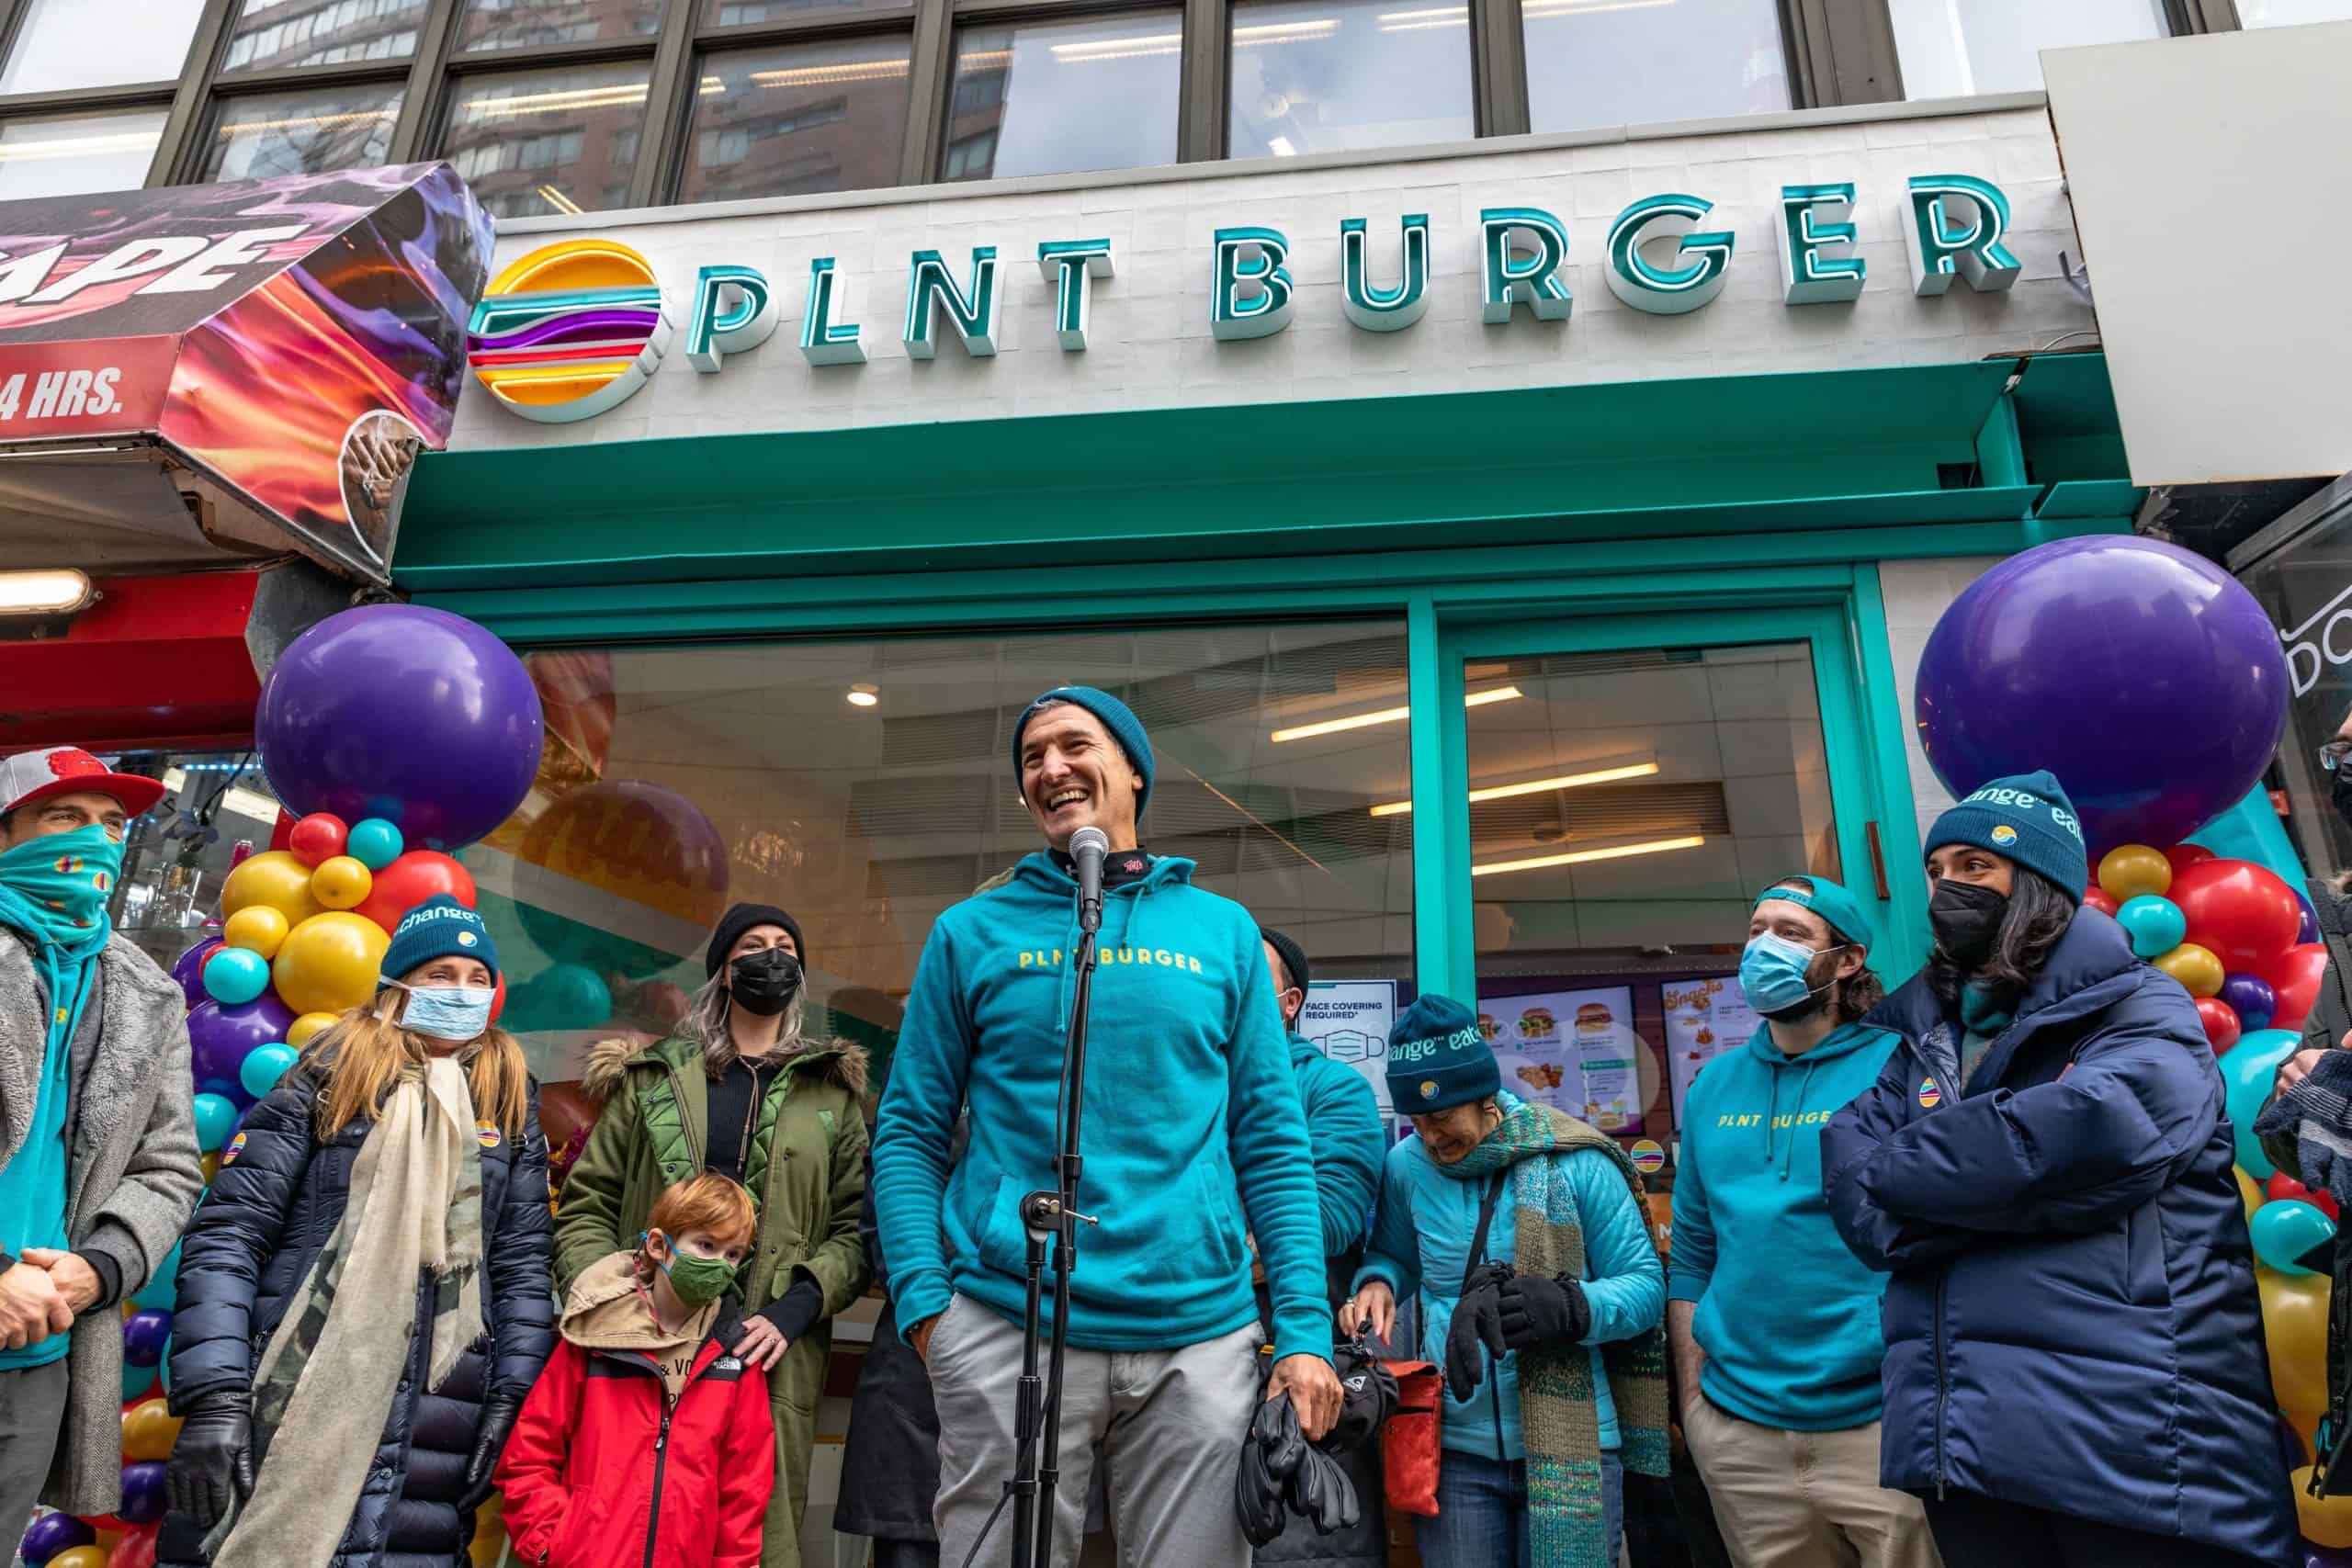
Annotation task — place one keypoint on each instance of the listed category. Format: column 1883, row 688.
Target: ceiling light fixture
column 1537, row 786
column 58, row 593
column 1585, row 857
column 861, row 696
column 1386, row 716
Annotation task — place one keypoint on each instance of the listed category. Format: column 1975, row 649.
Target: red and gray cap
column 31, row 776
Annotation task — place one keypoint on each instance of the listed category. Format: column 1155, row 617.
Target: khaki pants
column 1803, row 1499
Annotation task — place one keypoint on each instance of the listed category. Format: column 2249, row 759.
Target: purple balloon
column 52, row 1533
column 402, row 712
column 2144, row 676
column 2251, row 995
column 143, row 1336
column 2308, row 931
column 188, row 970
column 220, row 1036
column 143, row 1493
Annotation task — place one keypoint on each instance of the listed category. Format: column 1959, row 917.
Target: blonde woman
column 740, row 1090
column 363, row 1295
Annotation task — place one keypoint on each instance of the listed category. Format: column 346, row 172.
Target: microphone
column 1087, row 847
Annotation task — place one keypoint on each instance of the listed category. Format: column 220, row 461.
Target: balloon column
column 417, row 719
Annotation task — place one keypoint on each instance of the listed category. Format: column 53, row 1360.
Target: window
column 1951, row 49
column 752, row 12
column 2289, row 13
column 1318, row 76
column 520, row 24
column 300, row 133
column 1092, row 95
column 809, row 117
column 321, row 32
column 549, row 141
column 1599, row 62
column 74, row 153
column 75, row 43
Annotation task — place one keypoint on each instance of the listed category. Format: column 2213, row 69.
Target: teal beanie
column 1438, row 1058
column 436, row 929
column 1839, row 909
column 2026, row 819
column 1116, row 717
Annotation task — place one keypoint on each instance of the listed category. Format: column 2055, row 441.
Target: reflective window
column 78, row 43
column 519, row 24
column 1051, row 98
column 69, row 154
column 1597, row 62
column 301, row 132
column 1312, row 76
column 751, row 13
column 1951, row 49
column 321, row 32
column 549, row 141
column 2289, row 13
column 811, row 118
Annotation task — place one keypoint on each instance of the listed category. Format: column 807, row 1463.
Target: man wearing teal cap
column 1773, row 1323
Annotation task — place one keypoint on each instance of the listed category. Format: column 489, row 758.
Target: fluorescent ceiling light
column 1537, row 786
column 1386, row 716
column 58, row 593
column 1583, row 857
column 861, row 696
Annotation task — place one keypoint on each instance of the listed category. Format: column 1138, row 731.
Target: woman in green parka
column 739, row 1089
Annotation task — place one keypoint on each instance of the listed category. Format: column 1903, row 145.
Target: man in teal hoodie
column 1344, row 1126
column 1190, row 1099
column 1773, row 1324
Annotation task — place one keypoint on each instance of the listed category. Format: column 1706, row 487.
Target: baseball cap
column 31, row 776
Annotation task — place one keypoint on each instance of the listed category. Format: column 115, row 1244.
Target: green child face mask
column 698, row 1282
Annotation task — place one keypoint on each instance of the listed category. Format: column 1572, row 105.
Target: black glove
column 212, row 1462
column 1367, row 1398
column 1319, row 1490
column 498, row 1414
column 1538, row 1311
column 1477, row 1319
column 1269, row 1455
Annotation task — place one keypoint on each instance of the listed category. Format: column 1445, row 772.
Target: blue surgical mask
column 457, row 1013
column 1772, row 973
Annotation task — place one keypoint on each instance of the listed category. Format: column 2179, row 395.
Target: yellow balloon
column 2294, row 1321
column 149, row 1429
column 2195, row 967
column 2250, row 1192
column 259, row 927
column 273, row 878
column 79, row 1557
column 341, row 882
column 2131, row 869
column 299, row 1033
column 329, row 962
column 209, row 1162
column 2325, row 1521
column 489, row 1532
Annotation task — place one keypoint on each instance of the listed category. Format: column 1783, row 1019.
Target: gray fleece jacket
column 132, row 1174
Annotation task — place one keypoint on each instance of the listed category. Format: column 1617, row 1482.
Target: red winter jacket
column 601, row 1472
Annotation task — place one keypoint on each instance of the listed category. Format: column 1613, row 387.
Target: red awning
column 157, row 662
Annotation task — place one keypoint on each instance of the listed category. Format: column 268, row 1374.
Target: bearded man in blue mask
column 99, row 1157
column 1772, row 1322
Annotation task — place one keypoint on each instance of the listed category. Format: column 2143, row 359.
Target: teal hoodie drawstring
column 1805, row 1086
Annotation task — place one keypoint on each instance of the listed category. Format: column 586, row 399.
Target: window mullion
column 1498, row 61
column 1853, row 54
column 1207, row 80
column 934, row 37
column 669, row 102
column 176, row 151
column 412, row 132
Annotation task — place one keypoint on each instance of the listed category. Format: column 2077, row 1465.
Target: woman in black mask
column 740, row 1090
column 2075, row 1370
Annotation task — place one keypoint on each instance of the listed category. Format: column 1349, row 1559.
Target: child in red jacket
column 647, row 1443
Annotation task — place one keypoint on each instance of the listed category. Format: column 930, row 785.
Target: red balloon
column 2183, row 856
column 136, row 1548
column 498, row 997
column 2295, row 974
column 320, row 836
column 2221, row 1020
column 2284, row 1186
column 2099, row 898
column 420, row 874
column 2239, row 910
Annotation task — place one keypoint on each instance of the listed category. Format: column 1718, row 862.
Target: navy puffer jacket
column 265, row 1222
column 2071, row 1322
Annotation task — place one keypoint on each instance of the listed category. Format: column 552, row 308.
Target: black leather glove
column 498, row 1414
column 1319, row 1490
column 212, row 1463
column 1367, row 1398
column 1269, row 1455
column 1477, row 1320
column 1538, row 1311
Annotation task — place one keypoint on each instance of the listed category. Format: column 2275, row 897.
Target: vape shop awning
column 198, row 374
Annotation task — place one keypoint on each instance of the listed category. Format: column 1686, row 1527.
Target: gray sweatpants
column 1167, row 1423
column 32, row 1409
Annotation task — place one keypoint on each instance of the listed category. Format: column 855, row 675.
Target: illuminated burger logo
column 569, row 330
column 1594, row 1019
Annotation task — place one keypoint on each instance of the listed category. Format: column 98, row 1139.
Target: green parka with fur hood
column 806, row 1171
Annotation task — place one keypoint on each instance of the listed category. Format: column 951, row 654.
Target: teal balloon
column 264, row 1066
column 235, row 975
column 2248, row 1069
column 164, row 1367
column 162, row 1287
column 374, row 843
column 2286, row 1228
column 214, row 1117
column 138, row 1382
column 2155, row 925
column 576, row 995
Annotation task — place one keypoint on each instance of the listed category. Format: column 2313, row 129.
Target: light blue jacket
column 1420, row 1242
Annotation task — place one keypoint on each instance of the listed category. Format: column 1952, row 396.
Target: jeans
column 1482, row 1513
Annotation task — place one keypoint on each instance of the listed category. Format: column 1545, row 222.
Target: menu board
column 1705, row 1017
column 1573, row 1049
column 1348, row 1021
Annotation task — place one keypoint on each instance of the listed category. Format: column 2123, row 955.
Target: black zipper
column 660, row 1465
column 1943, row 1379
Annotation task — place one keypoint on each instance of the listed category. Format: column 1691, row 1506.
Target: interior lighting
column 1284, row 32
column 1386, row 716
column 77, row 146
column 1117, row 48
column 1585, row 857
column 861, row 696
column 1587, row 8
column 1537, row 786
column 829, row 75
column 559, row 201
column 555, row 102
column 50, row 593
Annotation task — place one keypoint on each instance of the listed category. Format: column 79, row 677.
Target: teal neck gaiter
column 54, row 889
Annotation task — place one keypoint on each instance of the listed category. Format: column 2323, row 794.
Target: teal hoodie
column 1787, row 1316
column 1344, row 1130
column 1189, row 1099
